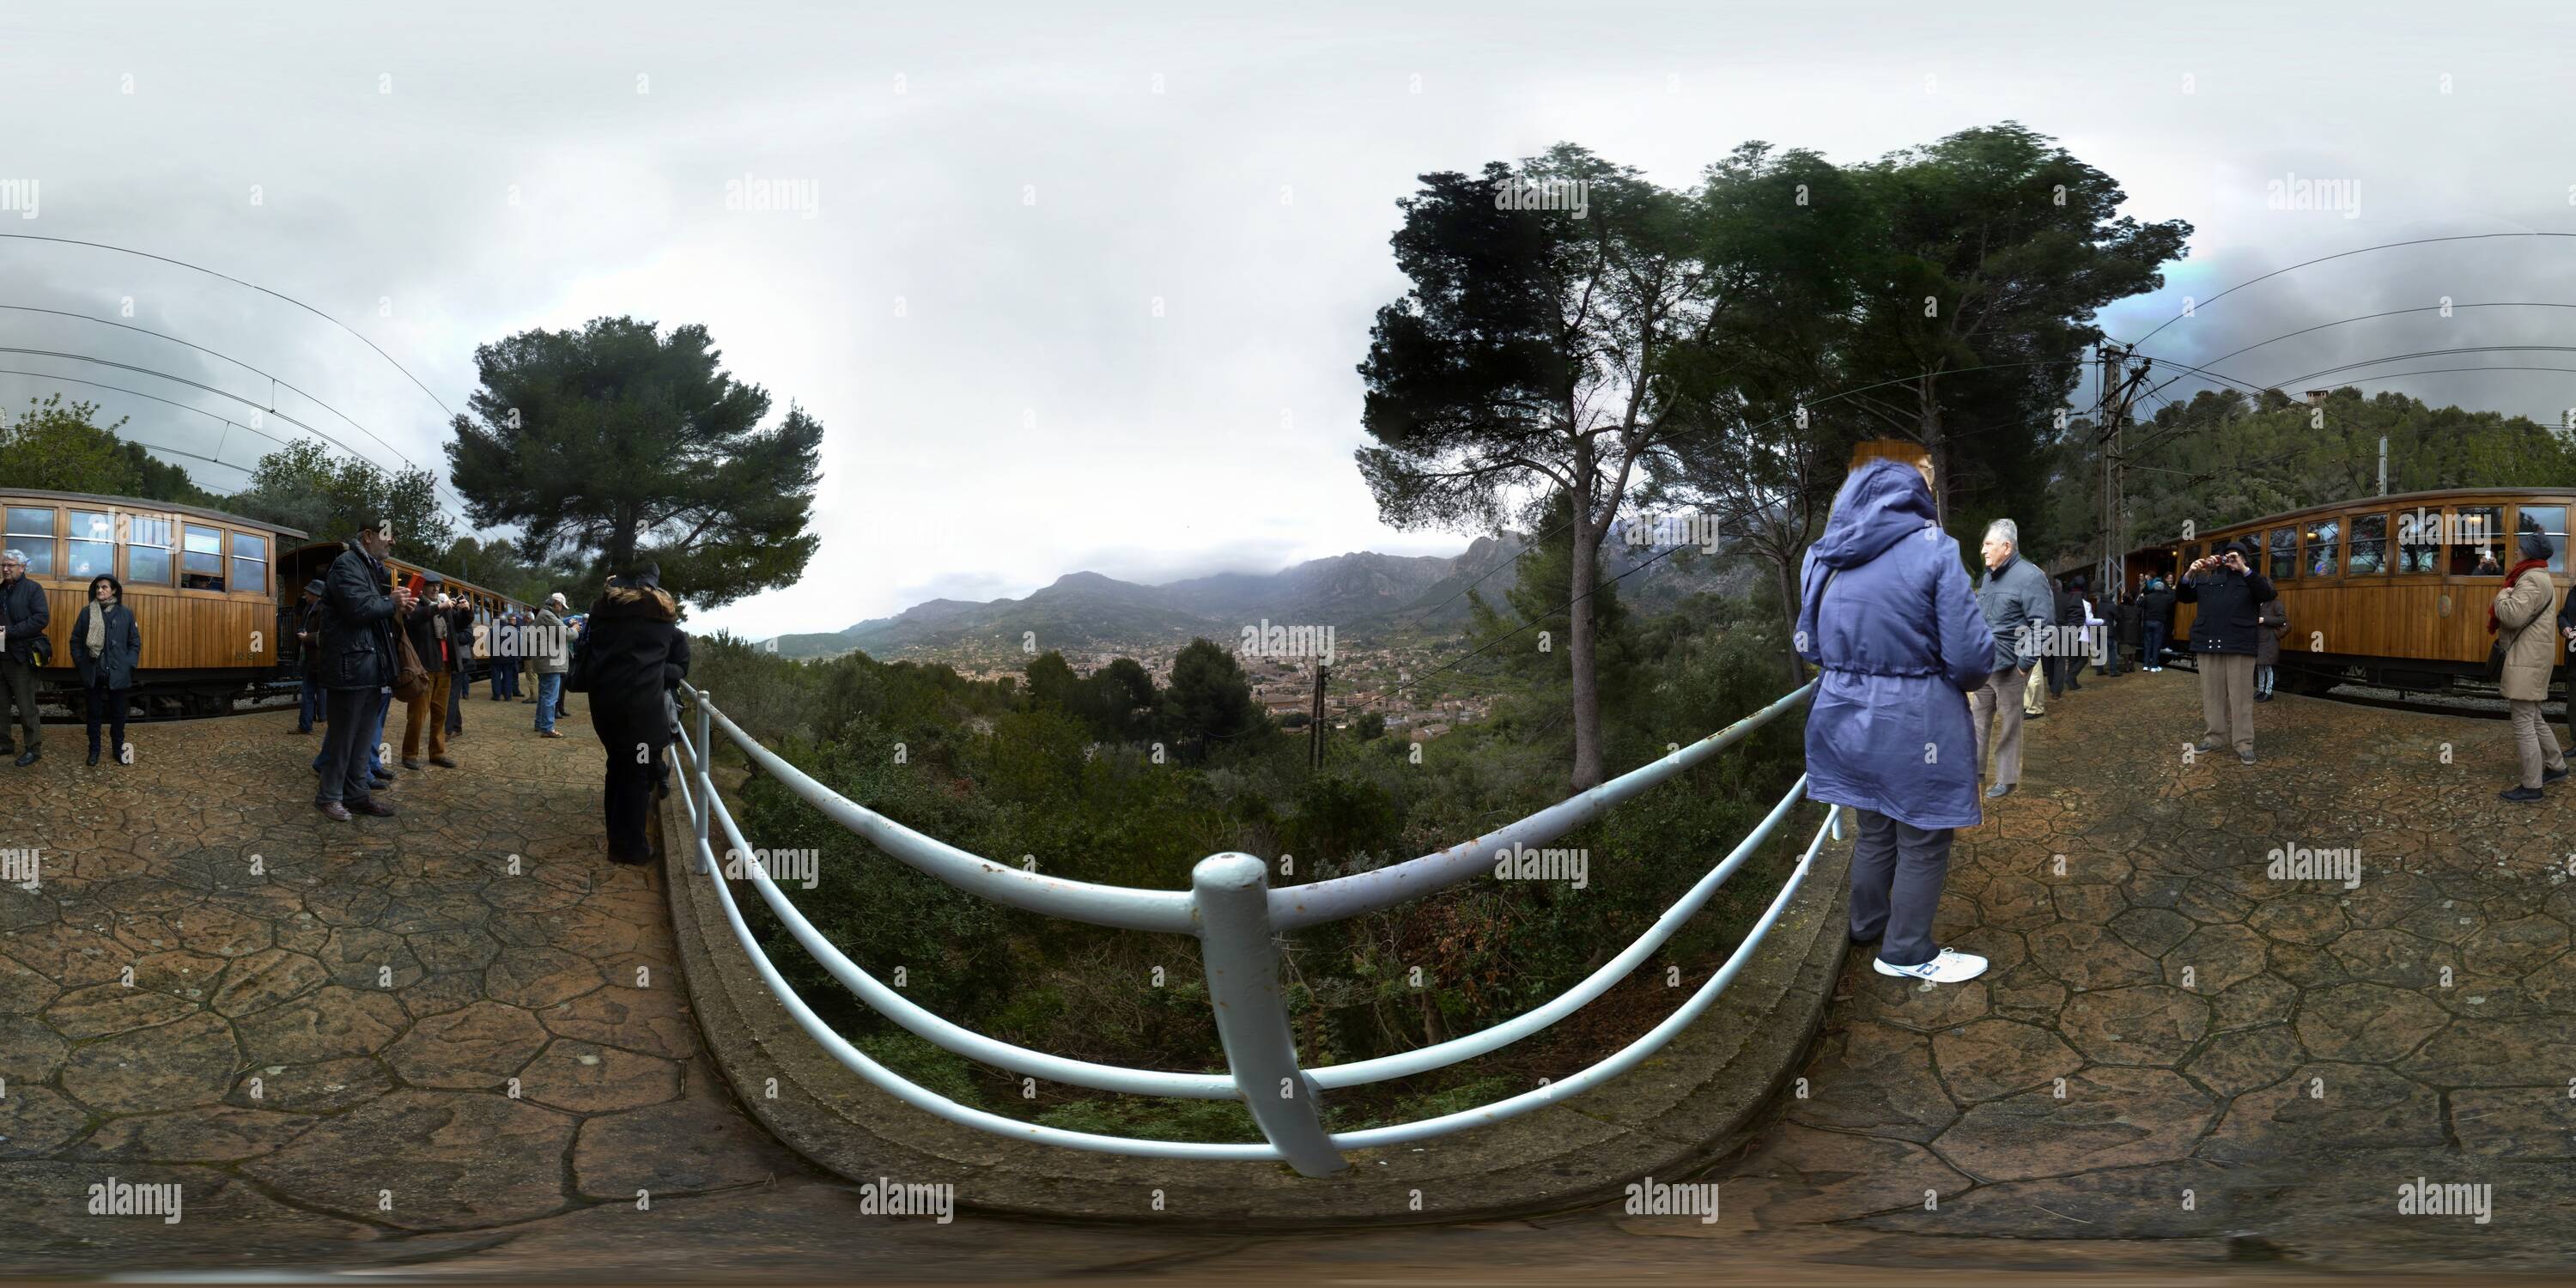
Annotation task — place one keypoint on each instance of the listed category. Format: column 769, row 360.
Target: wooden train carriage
column 214, row 594
column 307, row 563
column 2393, row 590
column 202, row 584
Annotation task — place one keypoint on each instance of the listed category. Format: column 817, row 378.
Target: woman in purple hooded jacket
column 1887, row 611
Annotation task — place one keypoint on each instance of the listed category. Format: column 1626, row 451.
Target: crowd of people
column 1909, row 652
column 370, row 640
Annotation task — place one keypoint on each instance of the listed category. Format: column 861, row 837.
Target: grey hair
column 2007, row 529
column 13, row 556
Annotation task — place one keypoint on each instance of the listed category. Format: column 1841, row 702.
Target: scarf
column 2509, row 579
column 97, row 629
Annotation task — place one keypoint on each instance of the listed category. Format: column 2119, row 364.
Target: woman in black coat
column 106, row 646
column 632, row 656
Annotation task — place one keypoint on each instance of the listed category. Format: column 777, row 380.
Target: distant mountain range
column 1362, row 593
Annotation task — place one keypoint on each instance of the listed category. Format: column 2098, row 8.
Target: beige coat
column 2525, row 605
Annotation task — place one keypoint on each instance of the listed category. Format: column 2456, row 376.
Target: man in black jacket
column 2064, row 657
column 357, row 669
column 23, row 617
column 308, row 647
column 2229, row 594
column 2156, row 621
column 634, row 657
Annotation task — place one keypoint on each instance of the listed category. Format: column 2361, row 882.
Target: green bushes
column 1023, row 777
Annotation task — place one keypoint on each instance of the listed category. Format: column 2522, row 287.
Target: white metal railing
column 1235, row 915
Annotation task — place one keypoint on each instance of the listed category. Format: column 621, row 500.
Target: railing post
column 1233, row 896
column 706, row 767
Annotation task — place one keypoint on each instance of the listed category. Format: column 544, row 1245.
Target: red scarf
column 2509, row 579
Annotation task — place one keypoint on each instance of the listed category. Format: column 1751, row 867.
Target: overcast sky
column 1084, row 290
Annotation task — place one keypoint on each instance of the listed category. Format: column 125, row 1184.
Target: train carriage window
column 2369, row 545
column 2284, row 554
column 2191, row 554
column 250, row 562
column 2549, row 521
column 30, row 531
column 201, row 562
column 2477, row 541
column 2325, row 548
column 2419, row 540
column 147, row 550
column 91, row 545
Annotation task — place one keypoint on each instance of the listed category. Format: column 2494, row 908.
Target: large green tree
column 1520, row 363
column 61, row 447
column 1993, row 250
column 621, row 445
column 306, row 485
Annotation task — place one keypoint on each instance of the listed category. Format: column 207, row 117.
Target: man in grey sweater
column 2019, row 608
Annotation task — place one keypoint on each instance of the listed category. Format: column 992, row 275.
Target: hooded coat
column 1902, row 643
column 633, row 654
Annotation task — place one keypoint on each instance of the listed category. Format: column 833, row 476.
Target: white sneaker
column 1950, row 967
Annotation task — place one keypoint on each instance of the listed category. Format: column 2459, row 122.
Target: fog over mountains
column 1358, row 594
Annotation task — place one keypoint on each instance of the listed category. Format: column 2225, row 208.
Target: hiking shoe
column 2206, row 744
column 442, row 762
column 2245, row 758
column 2548, row 776
column 2519, row 795
column 1950, row 967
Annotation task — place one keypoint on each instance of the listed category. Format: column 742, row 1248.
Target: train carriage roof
column 172, row 507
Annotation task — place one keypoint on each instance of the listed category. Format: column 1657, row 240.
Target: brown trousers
column 2227, row 698
column 431, row 706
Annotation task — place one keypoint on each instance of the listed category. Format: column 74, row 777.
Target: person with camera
column 2230, row 595
column 359, row 605
column 430, row 624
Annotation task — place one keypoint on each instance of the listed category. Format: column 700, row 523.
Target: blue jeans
column 549, row 691
column 2155, row 643
column 308, row 706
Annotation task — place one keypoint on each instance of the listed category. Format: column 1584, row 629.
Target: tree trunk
column 1586, row 577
